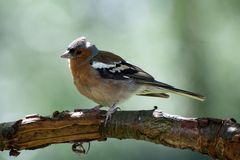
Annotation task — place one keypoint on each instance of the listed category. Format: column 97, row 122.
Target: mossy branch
column 217, row 138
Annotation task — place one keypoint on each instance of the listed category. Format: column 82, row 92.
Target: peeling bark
column 217, row 138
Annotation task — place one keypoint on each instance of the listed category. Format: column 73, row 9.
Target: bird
column 108, row 79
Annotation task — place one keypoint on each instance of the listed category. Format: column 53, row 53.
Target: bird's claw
column 109, row 113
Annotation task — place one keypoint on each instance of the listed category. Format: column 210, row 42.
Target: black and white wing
column 111, row 66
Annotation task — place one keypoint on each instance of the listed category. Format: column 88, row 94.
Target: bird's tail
column 187, row 94
column 159, row 89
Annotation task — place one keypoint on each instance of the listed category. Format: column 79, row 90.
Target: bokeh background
column 191, row 44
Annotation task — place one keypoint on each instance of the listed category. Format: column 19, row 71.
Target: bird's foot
column 109, row 113
column 78, row 148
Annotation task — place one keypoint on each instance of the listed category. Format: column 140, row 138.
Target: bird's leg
column 109, row 113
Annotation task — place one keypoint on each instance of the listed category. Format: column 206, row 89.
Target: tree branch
column 214, row 137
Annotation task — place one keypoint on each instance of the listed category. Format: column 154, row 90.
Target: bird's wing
column 111, row 66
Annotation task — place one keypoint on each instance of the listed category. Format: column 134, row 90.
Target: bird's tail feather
column 158, row 88
column 187, row 94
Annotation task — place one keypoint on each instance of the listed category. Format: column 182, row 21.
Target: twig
column 215, row 137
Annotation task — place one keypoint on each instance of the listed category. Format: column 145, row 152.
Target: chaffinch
column 107, row 79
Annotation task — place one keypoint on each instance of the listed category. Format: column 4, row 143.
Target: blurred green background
column 191, row 44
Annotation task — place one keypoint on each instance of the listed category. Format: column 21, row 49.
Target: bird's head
column 78, row 47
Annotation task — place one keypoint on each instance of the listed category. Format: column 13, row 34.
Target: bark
column 217, row 138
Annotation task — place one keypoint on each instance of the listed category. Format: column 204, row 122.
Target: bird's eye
column 71, row 50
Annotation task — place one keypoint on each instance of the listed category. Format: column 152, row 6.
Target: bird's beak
column 66, row 55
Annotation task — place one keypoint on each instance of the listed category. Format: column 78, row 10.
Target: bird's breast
column 103, row 91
